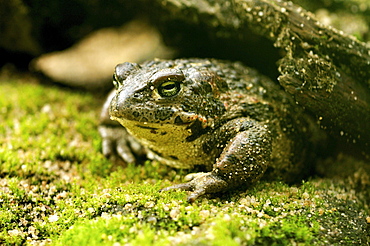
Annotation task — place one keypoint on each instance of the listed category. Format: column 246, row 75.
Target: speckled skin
column 236, row 123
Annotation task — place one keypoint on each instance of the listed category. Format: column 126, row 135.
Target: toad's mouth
column 145, row 119
column 148, row 125
column 156, row 128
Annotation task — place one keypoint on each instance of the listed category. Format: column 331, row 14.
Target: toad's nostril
column 123, row 70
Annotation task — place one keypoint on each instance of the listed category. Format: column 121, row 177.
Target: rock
column 90, row 62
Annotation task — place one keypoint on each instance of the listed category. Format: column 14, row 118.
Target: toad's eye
column 167, row 82
column 169, row 88
column 116, row 82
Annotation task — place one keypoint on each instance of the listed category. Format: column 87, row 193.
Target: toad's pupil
column 169, row 87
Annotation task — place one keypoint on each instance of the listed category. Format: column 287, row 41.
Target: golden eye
column 169, row 88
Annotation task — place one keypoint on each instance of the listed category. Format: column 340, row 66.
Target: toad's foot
column 118, row 144
column 201, row 184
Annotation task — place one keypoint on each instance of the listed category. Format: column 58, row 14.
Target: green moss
column 57, row 188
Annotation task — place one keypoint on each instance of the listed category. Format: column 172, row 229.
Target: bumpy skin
column 236, row 123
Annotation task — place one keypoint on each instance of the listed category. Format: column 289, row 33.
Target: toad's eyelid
column 164, row 76
column 168, row 78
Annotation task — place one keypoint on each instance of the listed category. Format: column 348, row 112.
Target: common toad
column 236, row 123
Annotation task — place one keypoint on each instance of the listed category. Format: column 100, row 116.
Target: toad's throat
column 168, row 143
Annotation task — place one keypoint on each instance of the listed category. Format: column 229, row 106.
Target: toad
column 235, row 123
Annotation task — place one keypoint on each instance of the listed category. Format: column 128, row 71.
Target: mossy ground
column 57, row 188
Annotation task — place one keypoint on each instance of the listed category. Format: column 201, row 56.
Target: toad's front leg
column 243, row 160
